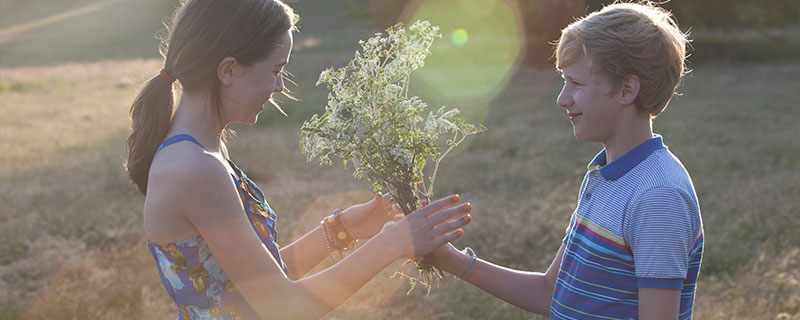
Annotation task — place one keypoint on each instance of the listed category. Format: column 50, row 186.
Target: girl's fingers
column 439, row 205
column 450, row 213
column 453, row 224
column 450, row 237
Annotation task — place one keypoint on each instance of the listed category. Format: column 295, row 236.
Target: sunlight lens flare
column 484, row 48
column 459, row 37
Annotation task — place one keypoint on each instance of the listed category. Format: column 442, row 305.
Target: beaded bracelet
column 337, row 238
column 470, row 267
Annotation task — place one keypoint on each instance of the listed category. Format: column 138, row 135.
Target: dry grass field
column 72, row 244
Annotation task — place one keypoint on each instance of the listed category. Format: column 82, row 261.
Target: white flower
column 369, row 117
column 323, row 76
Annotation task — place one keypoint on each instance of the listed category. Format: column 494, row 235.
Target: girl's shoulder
column 191, row 185
column 186, row 168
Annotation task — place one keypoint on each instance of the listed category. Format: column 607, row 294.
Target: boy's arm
column 661, row 231
column 532, row 291
column 659, row 304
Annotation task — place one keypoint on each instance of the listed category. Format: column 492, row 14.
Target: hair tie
column 166, row 75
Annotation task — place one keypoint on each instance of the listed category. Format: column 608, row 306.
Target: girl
column 210, row 229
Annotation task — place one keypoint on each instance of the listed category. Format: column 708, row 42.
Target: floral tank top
column 192, row 276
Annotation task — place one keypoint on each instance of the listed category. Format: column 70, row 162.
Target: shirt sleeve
column 661, row 229
column 568, row 231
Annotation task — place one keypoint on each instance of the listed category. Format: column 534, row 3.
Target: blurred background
column 72, row 244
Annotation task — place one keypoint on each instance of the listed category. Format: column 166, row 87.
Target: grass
column 71, row 236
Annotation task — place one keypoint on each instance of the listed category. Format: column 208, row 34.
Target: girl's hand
column 430, row 227
column 365, row 220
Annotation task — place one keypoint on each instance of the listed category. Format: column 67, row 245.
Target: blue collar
column 621, row 166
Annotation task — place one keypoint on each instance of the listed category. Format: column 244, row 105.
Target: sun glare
column 459, row 37
column 474, row 64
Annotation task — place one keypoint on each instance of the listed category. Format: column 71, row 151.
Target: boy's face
column 593, row 109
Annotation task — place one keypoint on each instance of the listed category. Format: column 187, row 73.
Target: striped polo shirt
column 637, row 224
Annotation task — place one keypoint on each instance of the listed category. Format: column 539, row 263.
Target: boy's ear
column 225, row 71
column 630, row 88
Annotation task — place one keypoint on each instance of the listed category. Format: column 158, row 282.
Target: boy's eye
column 569, row 81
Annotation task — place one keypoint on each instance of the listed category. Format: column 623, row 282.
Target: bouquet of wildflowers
column 371, row 122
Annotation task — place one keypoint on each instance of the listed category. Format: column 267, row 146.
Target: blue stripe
column 178, row 138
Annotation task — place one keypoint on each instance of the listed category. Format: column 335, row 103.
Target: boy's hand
column 449, row 259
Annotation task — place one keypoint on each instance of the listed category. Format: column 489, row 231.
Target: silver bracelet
column 470, row 267
column 474, row 264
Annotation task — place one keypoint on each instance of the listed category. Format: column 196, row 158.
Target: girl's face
column 252, row 87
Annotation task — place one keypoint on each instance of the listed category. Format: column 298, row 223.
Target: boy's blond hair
column 630, row 39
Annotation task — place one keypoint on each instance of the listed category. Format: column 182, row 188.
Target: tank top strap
column 178, row 138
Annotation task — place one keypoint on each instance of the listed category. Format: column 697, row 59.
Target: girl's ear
column 225, row 71
column 630, row 89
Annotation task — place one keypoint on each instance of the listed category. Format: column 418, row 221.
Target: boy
column 635, row 241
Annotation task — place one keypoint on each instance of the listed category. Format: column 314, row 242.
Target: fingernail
column 468, row 207
column 456, row 198
column 460, row 232
column 468, row 218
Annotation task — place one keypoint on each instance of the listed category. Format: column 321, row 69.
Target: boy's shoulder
column 649, row 165
column 662, row 169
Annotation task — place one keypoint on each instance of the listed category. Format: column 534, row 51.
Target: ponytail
column 150, row 113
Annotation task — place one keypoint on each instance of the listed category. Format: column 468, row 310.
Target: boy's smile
column 573, row 115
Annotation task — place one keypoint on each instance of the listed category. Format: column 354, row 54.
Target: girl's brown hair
column 203, row 33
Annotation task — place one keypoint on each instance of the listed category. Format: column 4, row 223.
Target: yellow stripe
column 608, row 234
column 581, row 312
column 604, row 258
column 597, row 285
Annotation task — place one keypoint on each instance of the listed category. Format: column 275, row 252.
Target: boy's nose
column 564, row 100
